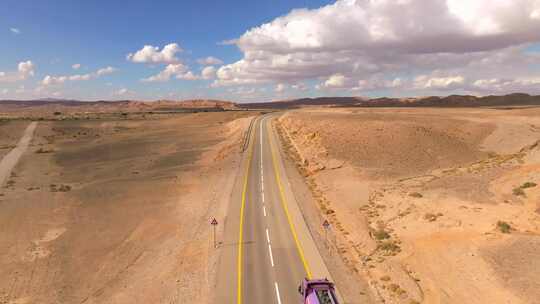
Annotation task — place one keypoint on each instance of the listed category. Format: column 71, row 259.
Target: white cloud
column 280, row 87
column 172, row 69
column 76, row 66
column 180, row 71
column 56, row 80
column 505, row 85
column 208, row 72
column 5, row 91
column 299, row 86
column 210, row 61
column 105, row 71
column 52, row 80
column 188, row 76
column 450, row 82
column 121, row 92
column 25, row 69
column 15, row 30
column 336, row 81
column 359, row 39
column 377, row 83
column 152, row 54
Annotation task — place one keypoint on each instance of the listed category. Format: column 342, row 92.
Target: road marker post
column 214, row 224
column 326, row 226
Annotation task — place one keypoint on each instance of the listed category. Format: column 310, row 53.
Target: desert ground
column 116, row 209
column 427, row 205
column 10, row 133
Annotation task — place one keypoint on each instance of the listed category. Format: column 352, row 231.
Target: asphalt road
column 267, row 248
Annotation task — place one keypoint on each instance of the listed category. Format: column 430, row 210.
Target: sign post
column 214, row 224
column 326, row 226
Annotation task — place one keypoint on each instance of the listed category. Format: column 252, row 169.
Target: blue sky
column 321, row 50
column 57, row 34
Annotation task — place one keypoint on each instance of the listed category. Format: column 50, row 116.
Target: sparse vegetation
column 385, row 278
column 431, row 217
column 381, row 234
column 60, row 188
column 389, row 247
column 41, row 150
column 528, row 185
column 504, row 227
column 395, row 288
column 518, row 191
column 416, row 195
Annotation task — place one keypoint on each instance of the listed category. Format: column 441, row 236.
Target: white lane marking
column 262, row 169
column 277, row 293
column 271, row 256
column 267, row 236
column 264, row 210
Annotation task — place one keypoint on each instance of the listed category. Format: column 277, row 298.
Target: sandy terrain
column 10, row 133
column 117, row 210
column 428, row 205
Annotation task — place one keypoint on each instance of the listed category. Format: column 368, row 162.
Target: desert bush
column 528, row 185
column 57, row 113
column 381, row 234
column 41, row 150
column 430, row 217
column 416, row 195
column 390, row 247
column 518, row 191
column 504, row 227
column 385, row 278
column 60, row 188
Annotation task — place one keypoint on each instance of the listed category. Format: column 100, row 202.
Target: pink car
column 319, row 291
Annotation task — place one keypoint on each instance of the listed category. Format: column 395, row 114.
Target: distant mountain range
column 516, row 99
column 117, row 105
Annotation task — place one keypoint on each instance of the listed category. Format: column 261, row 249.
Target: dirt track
column 415, row 197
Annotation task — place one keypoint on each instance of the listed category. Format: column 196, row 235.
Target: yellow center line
column 241, row 230
column 284, row 204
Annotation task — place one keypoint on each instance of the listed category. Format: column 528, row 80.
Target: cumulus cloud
column 170, row 70
column 209, row 61
column 121, row 92
column 152, row 54
column 25, row 69
column 208, row 72
column 390, row 38
column 15, row 30
column 336, row 81
column 504, row 85
column 49, row 80
column 280, row 87
column 445, row 83
column 181, row 71
column 105, row 71
column 76, row 66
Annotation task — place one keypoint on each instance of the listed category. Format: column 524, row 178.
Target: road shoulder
column 352, row 289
